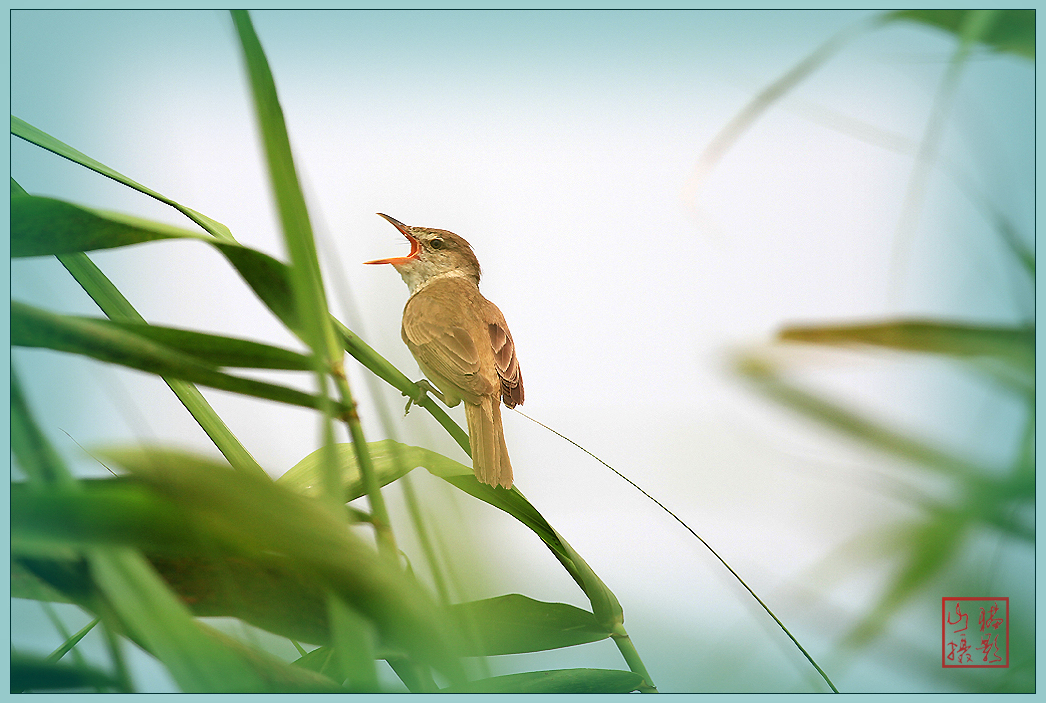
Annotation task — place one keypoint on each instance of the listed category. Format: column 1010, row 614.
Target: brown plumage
column 460, row 340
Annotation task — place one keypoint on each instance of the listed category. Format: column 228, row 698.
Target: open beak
column 415, row 247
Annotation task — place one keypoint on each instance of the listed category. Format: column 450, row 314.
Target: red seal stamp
column 975, row 632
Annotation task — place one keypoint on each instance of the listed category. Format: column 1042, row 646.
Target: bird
column 460, row 340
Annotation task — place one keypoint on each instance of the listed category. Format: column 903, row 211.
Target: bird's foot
column 424, row 387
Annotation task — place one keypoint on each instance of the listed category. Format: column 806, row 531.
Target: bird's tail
column 487, row 437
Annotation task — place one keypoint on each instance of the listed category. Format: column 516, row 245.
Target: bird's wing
column 436, row 326
column 504, row 356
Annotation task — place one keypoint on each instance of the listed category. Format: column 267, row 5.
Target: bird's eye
column 436, row 243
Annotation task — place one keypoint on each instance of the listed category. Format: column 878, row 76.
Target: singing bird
column 460, row 340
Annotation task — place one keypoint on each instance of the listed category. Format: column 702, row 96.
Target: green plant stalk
column 357, row 348
column 607, row 608
column 306, row 284
column 380, row 367
column 306, row 279
column 414, row 508
column 635, row 664
column 415, row 675
column 379, row 512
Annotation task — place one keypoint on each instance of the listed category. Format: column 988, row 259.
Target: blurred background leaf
column 1010, row 30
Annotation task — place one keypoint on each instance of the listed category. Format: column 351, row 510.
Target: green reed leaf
column 21, row 128
column 515, row 624
column 43, row 226
column 217, row 350
column 109, row 342
column 392, row 460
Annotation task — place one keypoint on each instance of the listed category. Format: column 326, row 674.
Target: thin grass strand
column 700, row 539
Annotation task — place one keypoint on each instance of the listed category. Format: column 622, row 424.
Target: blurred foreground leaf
column 274, row 595
column 273, row 525
column 185, row 505
column 926, row 547
column 30, row 673
column 555, row 681
column 115, row 583
column 978, row 497
column 272, row 591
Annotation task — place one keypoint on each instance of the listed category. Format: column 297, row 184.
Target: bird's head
column 433, row 252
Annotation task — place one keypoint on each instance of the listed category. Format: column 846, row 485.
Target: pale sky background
column 559, row 145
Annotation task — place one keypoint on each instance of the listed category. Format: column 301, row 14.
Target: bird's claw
column 424, row 388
